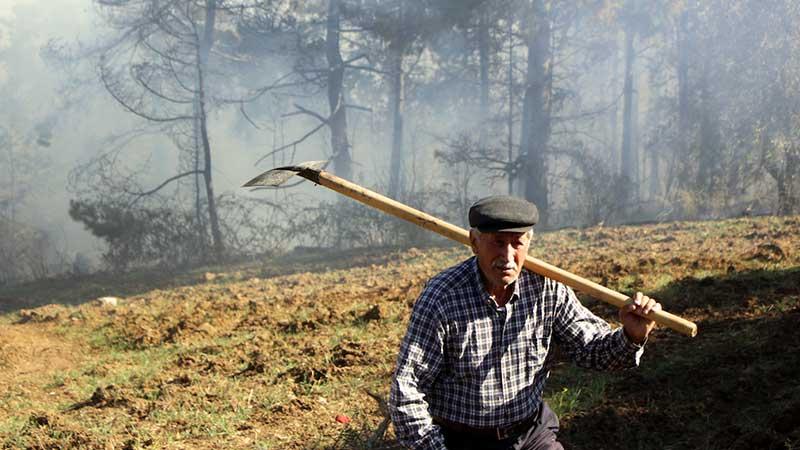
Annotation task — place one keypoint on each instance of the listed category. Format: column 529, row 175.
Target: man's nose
column 508, row 252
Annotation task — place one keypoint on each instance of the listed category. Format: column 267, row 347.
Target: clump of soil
column 138, row 326
column 767, row 252
column 372, row 314
column 46, row 431
column 104, row 397
column 258, row 364
column 46, row 313
column 112, row 396
column 349, row 354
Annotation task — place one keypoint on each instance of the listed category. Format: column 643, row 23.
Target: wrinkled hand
column 636, row 326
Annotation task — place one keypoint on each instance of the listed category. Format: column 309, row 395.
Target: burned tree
column 336, row 99
column 319, row 66
column 157, row 67
column 537, row 105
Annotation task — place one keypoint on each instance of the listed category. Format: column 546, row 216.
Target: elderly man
column 471, row 368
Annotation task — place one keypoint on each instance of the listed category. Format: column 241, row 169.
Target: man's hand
column 636, row 326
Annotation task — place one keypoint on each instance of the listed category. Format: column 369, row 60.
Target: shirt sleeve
column 418, row 364
column 588, row 339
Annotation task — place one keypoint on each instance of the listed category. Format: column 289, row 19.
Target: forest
column 141, row 127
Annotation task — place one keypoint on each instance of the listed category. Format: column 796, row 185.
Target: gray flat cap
column 503, row 213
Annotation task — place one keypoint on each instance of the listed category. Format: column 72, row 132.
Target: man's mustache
column 503, row 265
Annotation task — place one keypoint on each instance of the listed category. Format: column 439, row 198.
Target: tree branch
column 160, row 186
column 137, row 75
column 291, row 144
column 248, row 119
column 131, row 109
column 360, row 108
column 311, row 113
column 367, row 69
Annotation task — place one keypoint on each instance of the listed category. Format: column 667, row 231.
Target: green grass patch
column 570, row 389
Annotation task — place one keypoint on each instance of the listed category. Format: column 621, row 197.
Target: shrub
column 23, row 252
column 142, row 236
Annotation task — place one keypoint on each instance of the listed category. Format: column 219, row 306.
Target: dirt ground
column 28, row 353
column 298, row 353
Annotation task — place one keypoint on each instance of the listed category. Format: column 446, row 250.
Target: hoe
column 312, row 170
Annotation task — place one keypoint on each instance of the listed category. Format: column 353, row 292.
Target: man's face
column 500, row 255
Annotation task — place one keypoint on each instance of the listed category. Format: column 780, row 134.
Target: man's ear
column 473, row 241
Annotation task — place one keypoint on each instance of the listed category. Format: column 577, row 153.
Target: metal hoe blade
column 280, row 175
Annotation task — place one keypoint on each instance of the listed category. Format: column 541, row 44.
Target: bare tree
column 24, row 249
column 159, row 68
column 317, row 68
column 336, row 99
column 537, row 104
column 629, row 155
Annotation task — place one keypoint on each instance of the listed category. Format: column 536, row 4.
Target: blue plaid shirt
column 466, row 360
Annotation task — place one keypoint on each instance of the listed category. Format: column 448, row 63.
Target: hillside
column 297, row 353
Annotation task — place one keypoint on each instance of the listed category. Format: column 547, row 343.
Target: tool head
column 276, row 177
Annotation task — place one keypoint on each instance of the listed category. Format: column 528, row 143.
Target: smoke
column 58, row 119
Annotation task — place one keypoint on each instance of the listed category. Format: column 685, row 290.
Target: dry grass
column 267, row 355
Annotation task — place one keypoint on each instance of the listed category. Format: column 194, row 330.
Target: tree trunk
column 709, row 155
column 636, row 142
column 614, row 122
column 511, row 172
column 628, row 157
column 396, row 170
column 655, row 176
column 340, row 146
column 536, row 111
column 681, row 153
column 787, row 182
column 199, row 184
column 483, row 52
column 203, row 53
column 12, row 176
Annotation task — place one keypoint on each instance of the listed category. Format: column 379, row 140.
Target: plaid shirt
column 465, row 360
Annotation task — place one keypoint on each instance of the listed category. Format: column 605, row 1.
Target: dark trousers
column 541, row 436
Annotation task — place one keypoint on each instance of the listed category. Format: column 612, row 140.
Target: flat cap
column 503, row 213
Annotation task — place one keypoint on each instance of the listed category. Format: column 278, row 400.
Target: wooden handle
column 459, row 234
column 607, row 295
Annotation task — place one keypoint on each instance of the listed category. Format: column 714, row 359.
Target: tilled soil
column 259, row 357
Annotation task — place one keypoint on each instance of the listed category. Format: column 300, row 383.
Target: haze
column 600, row 112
